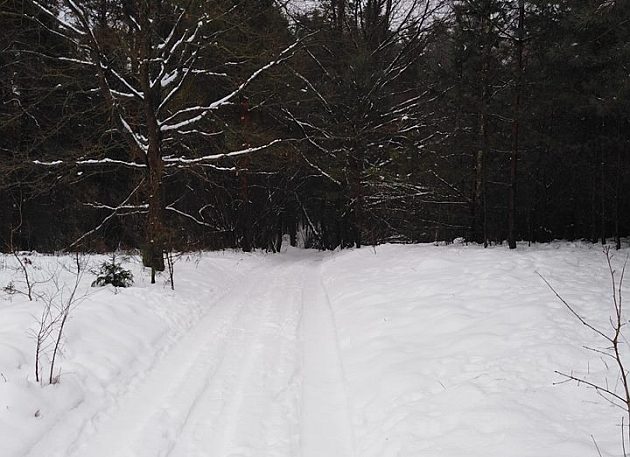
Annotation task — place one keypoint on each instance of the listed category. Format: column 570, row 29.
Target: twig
column 570, row 308
column 618, row 339
column 590, row 384
column 596, row 446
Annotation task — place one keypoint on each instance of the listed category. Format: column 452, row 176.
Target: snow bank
column 112, row 338
column 433, row 351
column 451, row 351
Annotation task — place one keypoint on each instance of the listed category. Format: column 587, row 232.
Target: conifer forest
column 206, row 124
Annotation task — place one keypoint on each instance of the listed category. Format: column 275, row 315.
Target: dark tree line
column 167, row 124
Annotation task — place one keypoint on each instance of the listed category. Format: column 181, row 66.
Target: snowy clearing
column 397, row 351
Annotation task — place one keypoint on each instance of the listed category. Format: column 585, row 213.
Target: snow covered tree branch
column 150, row 60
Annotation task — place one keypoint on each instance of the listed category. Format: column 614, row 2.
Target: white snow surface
column 393, row 351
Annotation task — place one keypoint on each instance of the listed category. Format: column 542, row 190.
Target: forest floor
column 393, row 351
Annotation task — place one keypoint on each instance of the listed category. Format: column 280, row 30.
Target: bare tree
column 147, row 58
column 617, row 349
column 58, row 303
column 368, row 118
column 68, row 299
column 42, row 335
column 23, row 263
column 519, row 45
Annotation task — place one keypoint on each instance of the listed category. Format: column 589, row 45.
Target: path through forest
column 393, row 351
column 259, row 375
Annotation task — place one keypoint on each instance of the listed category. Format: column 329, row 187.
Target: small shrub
column 10, row 288
column 113, row 273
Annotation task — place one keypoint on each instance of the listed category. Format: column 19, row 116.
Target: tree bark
column 602, row 198
column 154, row 239
column 516, row 124
column 617, row 200
column 481, row 215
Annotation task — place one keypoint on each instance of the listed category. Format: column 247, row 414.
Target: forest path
column 260, row 375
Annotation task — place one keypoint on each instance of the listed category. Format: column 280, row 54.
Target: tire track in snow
column 260, row 375
column 75, row 428
column 326, row 409
column 152, row 416
column 238, row 404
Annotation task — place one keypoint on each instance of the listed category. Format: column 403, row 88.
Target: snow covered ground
column 410, row 351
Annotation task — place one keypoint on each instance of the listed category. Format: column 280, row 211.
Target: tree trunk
column 480, row 219
column 603, row 198
column 617, row 203
column 245, row 210
column 516, row 125
column 356, row 193
column 594, row 236
column 479, row 224
column 154, row 247
column 341, row 14
column 154, row 241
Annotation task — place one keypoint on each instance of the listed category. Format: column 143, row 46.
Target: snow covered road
column 256, row 376
column 398, row 351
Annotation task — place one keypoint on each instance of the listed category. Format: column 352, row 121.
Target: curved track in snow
column 259, row 375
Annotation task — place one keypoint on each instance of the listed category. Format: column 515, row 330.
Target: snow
column 452, row 351
column 390, row 351
column 169, row 78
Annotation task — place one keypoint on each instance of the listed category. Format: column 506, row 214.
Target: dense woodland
column 183, row 124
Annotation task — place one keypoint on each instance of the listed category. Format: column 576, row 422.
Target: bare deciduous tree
column 147, row 58
column 617, row 349
column 58, row 302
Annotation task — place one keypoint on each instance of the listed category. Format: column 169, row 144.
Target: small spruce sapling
column 113, row 273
